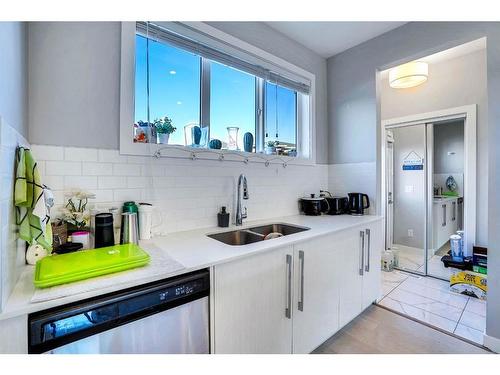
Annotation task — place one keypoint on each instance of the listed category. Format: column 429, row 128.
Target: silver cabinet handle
column 454, row 206
column 368, row 245
column 362, row 252
column 288, row 309
column 443, row 224
column 301, row 296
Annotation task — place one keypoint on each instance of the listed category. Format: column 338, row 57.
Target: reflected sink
column 284, row 229
column 237, row 237
column 255, row 234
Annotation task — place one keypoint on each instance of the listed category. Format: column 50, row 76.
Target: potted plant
column 164, row 128
column 270, row 148
column 75, row 211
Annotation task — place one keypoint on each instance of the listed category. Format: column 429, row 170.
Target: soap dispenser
column 223, row 218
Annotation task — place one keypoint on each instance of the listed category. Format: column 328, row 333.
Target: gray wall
column 409, row 206
column 74, row 94
column 75, row 80
column 14, row 75
column 452, row 83
column 261, row 35
column 449, row 137
column 353, row 114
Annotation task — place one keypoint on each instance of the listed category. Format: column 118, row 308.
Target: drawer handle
column 288, row 308
column 301, row 296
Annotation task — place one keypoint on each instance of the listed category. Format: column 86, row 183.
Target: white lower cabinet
column 292, row 299
column 316, row 294
column 250, row 297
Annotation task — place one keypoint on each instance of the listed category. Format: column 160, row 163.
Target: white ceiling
column 330, row 38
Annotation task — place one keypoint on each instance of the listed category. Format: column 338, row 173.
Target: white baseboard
column 492, row 343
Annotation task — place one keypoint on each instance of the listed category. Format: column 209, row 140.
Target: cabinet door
column 373, row 252
column 350, row 277
column 316, row 292
column 250, row 297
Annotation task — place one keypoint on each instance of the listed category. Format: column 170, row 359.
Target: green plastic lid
column 85, row 264
column 130, row 207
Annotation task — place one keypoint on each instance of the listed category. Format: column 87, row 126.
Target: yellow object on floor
column 469, row 283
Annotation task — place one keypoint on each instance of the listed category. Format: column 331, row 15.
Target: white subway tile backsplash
column 80, row 154
column 139, row 182
column 63, row 168
column 188, row 193
column 43, row 152
column 122, row 195
column 97, row 169
column 103, row 196
column 111, row 182
column 80, row 182
column 127, row 169
column 111, row 156
column 54, row 182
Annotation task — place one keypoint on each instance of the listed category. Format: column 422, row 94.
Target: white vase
column 269, row 150
column 163, row 138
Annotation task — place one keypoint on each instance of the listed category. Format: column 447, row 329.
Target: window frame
column 305, row 139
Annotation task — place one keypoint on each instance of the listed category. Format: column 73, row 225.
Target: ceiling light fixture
column 173, row 72
column 408, row 75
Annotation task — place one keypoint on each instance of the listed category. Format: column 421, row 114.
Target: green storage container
column 81, row 265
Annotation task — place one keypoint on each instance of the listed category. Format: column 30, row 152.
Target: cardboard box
column 469, row 283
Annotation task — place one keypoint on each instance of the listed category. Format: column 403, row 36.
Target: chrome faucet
column 242, row 181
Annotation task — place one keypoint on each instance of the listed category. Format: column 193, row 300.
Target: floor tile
column 391, row 280
column 427, row 304
column 476, row 306
column 469, row 333
column 419, row 314
column 440, row 295
column 472, row 320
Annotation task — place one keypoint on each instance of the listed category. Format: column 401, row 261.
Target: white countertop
column 444, row 199
column 193, row 249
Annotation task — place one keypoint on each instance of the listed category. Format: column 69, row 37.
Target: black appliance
column 314, row 206
column 358, row 203
column 104, row 232
column 335, row 205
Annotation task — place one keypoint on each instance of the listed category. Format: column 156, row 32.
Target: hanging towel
column 33, row 216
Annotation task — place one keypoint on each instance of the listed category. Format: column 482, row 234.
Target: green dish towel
column 32, row 218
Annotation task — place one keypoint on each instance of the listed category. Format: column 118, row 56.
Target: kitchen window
column 190, row 94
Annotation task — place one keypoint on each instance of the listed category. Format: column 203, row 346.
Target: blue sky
column 175, row 92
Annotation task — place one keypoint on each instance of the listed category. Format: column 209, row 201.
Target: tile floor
column 412, row 259
column 429, row 300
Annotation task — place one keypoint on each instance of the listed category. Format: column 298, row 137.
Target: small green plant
column 272, row 143
column 164, row 126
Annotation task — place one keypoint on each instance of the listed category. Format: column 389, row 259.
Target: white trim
column 128, row 147
column 469, row 113
column 491, row 343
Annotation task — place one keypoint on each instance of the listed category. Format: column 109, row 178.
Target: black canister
column 104, row 235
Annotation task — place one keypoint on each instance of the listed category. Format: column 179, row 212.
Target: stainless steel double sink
column 255, row 234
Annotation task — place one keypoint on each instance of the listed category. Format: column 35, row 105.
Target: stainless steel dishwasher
column 168, row 316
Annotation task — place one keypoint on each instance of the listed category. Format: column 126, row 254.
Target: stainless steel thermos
column 129, row 232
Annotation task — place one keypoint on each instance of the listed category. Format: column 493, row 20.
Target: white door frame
column 468, row 113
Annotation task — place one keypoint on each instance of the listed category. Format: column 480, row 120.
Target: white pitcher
column 146, row 225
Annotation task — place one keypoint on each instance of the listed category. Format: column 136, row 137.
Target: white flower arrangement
column 75, row 212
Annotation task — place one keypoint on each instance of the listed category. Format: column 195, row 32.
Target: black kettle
column 358, row 202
